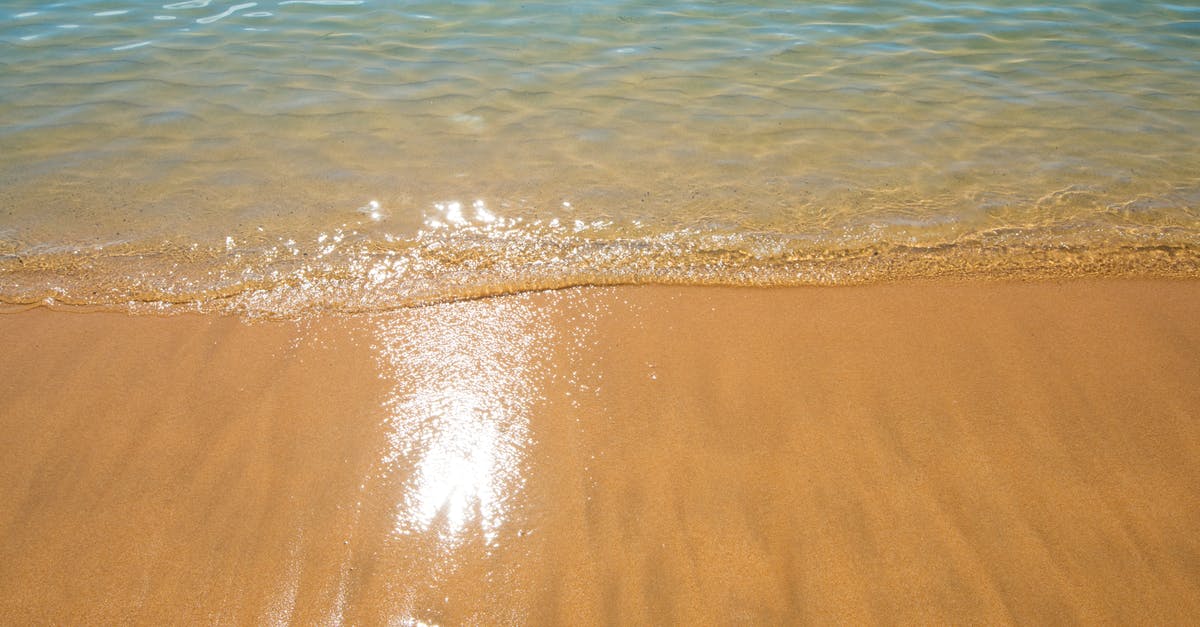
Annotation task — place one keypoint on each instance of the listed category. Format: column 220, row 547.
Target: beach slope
column 924, row 452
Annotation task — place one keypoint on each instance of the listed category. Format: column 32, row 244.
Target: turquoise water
column 282, row 156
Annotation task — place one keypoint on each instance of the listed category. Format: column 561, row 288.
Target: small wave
column 468, row 252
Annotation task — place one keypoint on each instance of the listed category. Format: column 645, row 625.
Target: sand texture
column 931, row 452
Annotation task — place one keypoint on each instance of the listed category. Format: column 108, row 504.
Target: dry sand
column 907, row 453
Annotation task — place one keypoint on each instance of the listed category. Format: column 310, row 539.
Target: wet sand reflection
column 464, row 378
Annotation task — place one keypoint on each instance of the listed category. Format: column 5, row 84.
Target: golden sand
column 907, row 453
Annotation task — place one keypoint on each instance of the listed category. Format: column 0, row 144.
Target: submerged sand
column 916, row 453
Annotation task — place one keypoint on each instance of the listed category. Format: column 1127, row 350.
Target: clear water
column 289, row 155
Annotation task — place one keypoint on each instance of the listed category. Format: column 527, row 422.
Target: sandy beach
column 917, row 453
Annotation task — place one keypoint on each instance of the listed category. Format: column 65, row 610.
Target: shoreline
column 922, row 451
column 376, row 273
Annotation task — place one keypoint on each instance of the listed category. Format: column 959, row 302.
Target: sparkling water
column 288, row 155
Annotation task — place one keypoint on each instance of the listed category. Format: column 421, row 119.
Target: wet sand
column 935, row 452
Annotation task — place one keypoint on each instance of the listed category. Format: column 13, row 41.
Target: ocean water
column 283, row 156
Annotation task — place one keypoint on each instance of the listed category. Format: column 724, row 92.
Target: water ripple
column 938, row 120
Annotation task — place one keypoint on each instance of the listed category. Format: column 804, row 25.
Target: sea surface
column 288, row 156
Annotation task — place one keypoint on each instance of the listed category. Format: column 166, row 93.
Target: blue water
column 285, row 155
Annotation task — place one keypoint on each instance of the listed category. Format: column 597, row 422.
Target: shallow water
column 289, row 155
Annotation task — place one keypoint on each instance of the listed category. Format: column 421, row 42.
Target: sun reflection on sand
column 462, row 472
column 458, row 415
